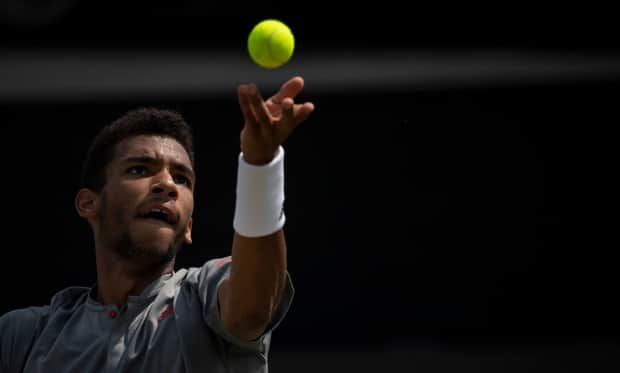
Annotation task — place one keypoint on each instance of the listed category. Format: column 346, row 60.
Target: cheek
column 190, row 208
column 122, row 200
column 188, row 205
column 187, row 197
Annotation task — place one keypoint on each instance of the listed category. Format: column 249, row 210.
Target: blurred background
column 450, row 202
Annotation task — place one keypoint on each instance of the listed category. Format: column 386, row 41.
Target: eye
column 137, row 170
column 181, row 179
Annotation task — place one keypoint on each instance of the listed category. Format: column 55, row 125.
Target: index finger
column 289, row 89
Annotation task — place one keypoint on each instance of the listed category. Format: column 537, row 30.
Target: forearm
column 258, row 276
column 252, row 292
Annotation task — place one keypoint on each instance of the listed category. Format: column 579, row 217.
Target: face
column 144, row 210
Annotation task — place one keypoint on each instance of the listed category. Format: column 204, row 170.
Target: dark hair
column 141, row 121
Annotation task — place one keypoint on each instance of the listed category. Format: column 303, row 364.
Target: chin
column 156, row 246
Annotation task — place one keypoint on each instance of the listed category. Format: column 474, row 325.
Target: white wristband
column 259, row 207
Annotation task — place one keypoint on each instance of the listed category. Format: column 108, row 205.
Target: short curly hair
column 141, row 121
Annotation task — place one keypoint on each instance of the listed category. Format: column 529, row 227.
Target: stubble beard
column 128, row 248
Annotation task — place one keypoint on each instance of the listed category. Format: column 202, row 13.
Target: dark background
column 460, row 223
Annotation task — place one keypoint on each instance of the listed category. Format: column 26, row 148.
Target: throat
column 128, row 272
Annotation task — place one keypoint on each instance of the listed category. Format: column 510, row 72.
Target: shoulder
column 200, row 284
column 69, row 298
column 24, row 322
column 18, row 331
column 211, row 272
column 22, row 317
column 32, row 317
column 20, row 328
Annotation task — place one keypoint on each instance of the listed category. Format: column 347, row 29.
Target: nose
column 164, row 183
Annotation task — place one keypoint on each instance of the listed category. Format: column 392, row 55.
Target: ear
column 86, row 203
column 188, row 232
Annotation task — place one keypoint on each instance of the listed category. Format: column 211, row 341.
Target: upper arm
column 253, row 326
column 250, row 296
column 246, row 329
column 18, row 331
column 211, row 279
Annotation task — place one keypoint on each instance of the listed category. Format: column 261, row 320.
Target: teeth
column 166, row 216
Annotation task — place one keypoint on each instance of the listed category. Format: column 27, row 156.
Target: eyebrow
column 152, row 160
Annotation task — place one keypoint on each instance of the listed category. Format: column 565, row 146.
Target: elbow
column 250, row 321
column 247, row 317
column 248, row 326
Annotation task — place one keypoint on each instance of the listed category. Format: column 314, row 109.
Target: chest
column 135, row 339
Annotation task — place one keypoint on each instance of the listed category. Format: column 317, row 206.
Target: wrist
column 258, row 159
column 259, row 206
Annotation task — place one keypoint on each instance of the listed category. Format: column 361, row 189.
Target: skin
column 152, row 171
column 131, row 251
column 252, row 293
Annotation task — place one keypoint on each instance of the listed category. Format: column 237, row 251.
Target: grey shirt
column 173, row 326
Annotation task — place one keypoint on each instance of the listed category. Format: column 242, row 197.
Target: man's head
column 137, row 185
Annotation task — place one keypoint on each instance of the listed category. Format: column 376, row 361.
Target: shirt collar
column 149, row 292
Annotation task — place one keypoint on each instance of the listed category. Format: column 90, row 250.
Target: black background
column 328, row 24
column 479, row 215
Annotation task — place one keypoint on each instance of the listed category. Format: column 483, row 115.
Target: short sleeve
column 18, row 332
column 213, row 274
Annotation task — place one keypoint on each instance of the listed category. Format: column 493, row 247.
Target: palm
column 268, row 123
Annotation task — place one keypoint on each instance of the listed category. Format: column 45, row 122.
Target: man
column 142, row 315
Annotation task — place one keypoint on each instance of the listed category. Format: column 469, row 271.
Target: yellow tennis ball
column 271, row 43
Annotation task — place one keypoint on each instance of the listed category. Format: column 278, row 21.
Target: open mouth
column 160, row 215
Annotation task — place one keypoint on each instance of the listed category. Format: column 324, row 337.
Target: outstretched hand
column 267, row 124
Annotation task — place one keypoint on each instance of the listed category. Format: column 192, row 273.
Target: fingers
column 253, row 107
column 288, row 110
column 246, row 106
column 304, row 111
column 258, row 107
column 289, row 89
column 293, row 114
column 257, row 113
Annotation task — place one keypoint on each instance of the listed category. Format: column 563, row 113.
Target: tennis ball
column 271, row 43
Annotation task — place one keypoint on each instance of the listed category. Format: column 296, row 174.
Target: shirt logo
column 165, row 313
column 221, row 261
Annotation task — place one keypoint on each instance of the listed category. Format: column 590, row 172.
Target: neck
column 119, row 278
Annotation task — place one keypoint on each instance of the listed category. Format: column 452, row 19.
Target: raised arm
column 251, row 294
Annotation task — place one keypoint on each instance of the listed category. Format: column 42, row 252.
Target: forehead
column 152, row 146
